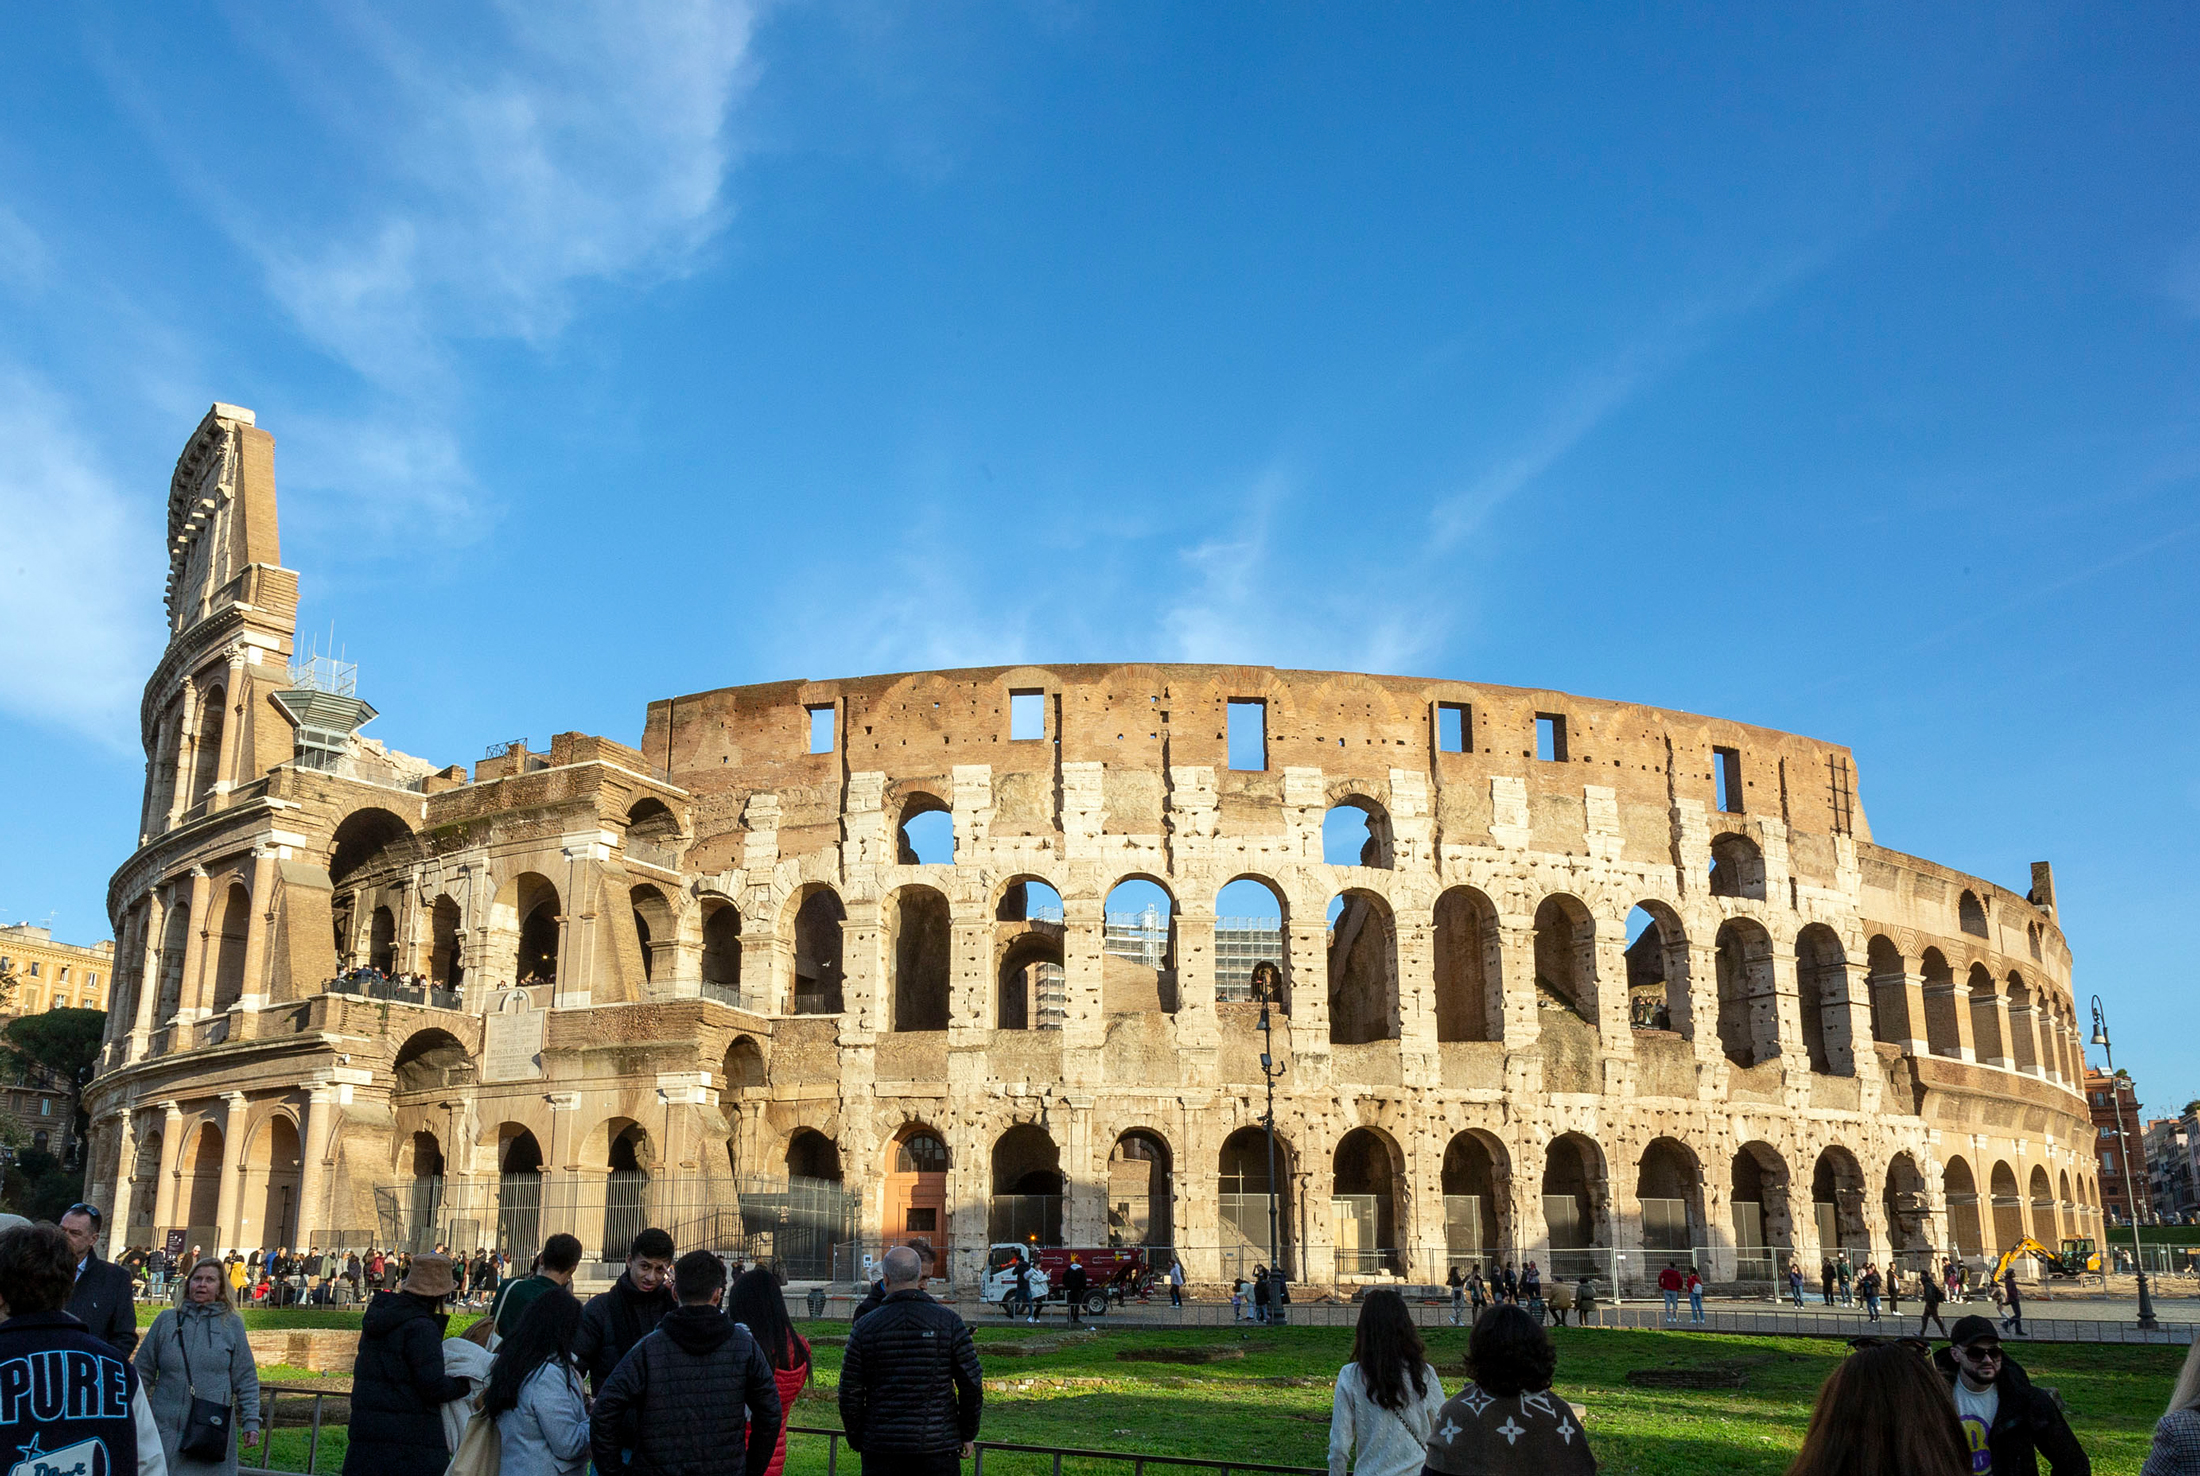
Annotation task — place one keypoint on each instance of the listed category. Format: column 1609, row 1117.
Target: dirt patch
column 1724, row 1374
column 1207, row 1354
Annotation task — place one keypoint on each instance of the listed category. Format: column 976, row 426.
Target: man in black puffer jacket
column 911, row 1390
column 680, row 1394
column 398, row 1387
column 613, row 1322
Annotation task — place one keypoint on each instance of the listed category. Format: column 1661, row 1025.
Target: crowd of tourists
column 306, row 1276
column 684, row 1368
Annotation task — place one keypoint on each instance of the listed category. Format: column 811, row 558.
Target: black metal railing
column 396, row 993
column 270, row 1396
column 1136, row 1460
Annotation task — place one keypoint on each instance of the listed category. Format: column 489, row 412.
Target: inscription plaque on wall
column 512, row 1041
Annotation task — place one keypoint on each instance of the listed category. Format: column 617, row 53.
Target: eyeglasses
column 1981, row 1352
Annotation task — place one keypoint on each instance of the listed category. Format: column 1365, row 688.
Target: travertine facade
column 669, row 975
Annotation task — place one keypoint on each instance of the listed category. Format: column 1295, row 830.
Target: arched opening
column 1356, row 832
column 652, row 833
column 1822, row 992
column 1943, row 1034
column 626, row 1189
column 1573, row 1207
column 1906, row 1206
column 1657, row 970
column 2008, row 1207
column 2023, row 1037
column 1255, row 1207
column 1749, row 1011
column 722, row 951
column 519, row 1191
column 1363, row 970
column 526, row 918
column 1139, row 1192
column 145, row 1180
column 202, row 1197
column 175, row 941
column 654, row 927
column 926, row 835
column 743, row 1065
column 206, row 759
column 1027, row 949
column 2070, row 1217
column 431, row 1061
column 1971, row 914
column 1888, row 984
column 368, row 844
column 815, row 1215
column 1764, row 1228
column 424, row 1180
column 1837, row 1199
column 1986, row 1039
column 444, row 968
column 1959, row 1191
column 1138, row 967
column 1475, row 1202
column 812, row 1155
column 1669, row 1187
column 818, row 916
column 271, row 1186
column 920, row 940
column 1470, row 995
column 1364, row 1213
column 1027, row 1188
column 1566, row 994
column 916, row 1211
column 1737, row 867
column 1249, row 914
column 235, row 925
column 382, row 941
column 2046, row 1227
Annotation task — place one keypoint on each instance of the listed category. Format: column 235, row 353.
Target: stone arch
column 1356, row 832
column 2023, row 1031
column 1669, row 1189
column 382, row 940
column 1837, row 1199
column 1822, row 993
column 656, row 931
column 1477, row 1185
column 1759, row 1199
column 1986, row 1016
column 1470, row 975
column 206, row 757
column 915, row 804
column 1959, row 1191
column 651, row 823
column 175, row 943
column 233, row 925
column 1028, row 980
column 920, row 945
column 1141, row 1180
column 1888, row 984
column 1943, row 1033
column 1657, row 971
column 1246, row 937
column 1251, row 1201
column 721, row 949
column 269, row 1195
column 201, row 1191
column 446, row 964
column 743, row 1065
column 519, row 1190
column 2046, row 1225
column 1575, row 1195
column 526, row 925
column 1367, row 1206
column 1566, row 956
column 1971, row 914
column 2069, row 1206
column 1737, row 867
column 1363, row 970
column 915, row 1210
column 1028, row 1187
column 813, row 919
column 630, row 1157
column 1908, row 1208
column 1749, row 1010
column 421, row 1180
column 370, row 841
column 431, row 1061
column 1138, row 970
column 2008, row 1205
column 811, row 1155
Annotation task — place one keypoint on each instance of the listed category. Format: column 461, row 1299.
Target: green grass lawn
column 1272, row 1405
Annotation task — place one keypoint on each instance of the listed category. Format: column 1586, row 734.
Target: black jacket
column 613, row 1322
column 871, row 1300
column 102, row 1302
column 398, row 1390
column 910, row 1380
column 680, row 1394
column 1074, row 1282
column 2027, row 1425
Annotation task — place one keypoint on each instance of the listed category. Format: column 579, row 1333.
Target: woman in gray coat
column 202, row 1327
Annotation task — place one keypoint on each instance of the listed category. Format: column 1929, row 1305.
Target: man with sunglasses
column 101, row 1298
column 2008, row 1423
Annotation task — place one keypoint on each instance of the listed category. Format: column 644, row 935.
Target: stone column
column 194, row 948
column 1787, row 1007
column 1084, row 1027
column 170, row 1168
column 315, row 1122
column 1309, row 984
column 179, row 797
column 1954, row 996
column 232, row 1181
column 119, row 1189
column 2021, row 1027
column 1901, row 999
column 1856, row 995
column 149, row 972
column 225, row 767
column 256, row 926
column 1997, row 1004
column 1196, row 1021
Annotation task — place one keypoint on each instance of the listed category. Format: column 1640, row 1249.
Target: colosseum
column 965, row 957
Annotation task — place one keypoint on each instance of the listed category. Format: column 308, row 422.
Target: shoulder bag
column 206, row 1425
column 481, row 1449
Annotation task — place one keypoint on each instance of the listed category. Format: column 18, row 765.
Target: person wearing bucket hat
column 399, row 1387
column 2007, row 1422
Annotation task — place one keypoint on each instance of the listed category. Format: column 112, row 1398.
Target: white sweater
column 1383, row 1442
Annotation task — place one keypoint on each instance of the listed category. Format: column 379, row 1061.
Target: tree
column 60, row 1048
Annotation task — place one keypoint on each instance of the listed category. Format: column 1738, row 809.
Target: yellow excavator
column 2077, row 1257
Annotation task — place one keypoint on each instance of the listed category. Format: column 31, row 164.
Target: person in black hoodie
column 2003, row 1416
column 613, row 1322
column 695, row 1397
column 911, row 1389
column 398, row 1387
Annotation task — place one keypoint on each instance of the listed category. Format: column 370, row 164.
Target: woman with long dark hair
column 758, row 1305
column 534, row 1394
column 1387, row 1396
column 1883, row 1409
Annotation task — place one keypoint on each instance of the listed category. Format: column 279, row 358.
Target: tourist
column 1825, row 1282
column 1694, row 1288
column 2176, row 1447
column 757, row 1303
column 1024, row 1298
column 534, row 1392
column 613, row 1322
column 1458, row 1285
column 239, row 1278
column 2014, row 1322
column 1074, row 1282
column 695, row 1396
column 1478, row 1295
column 398, row 1386
column 1261, row 1293
column 1928, row 1291
column 2007, row 1424
column 101, row 1298
column 156, row 1271
column 1507, row 1418
column 481, row 1280
column 1795, row 1280
column 1510, row 1284
column 196, row 1350
column 1843, row 1277
column 1882, row 1412
column 911, row 1390
column 1531, row 1289
column 1176, row 1282
column 1560, row 1300
column 1867, row 1288
column 1894, row 1289
column 561, row 1256
column 1387, row 1396
column 37, row 1273
column 1585, row 1301
column 1669, row 1282
column 1238, row 1289
column 1279, row 1295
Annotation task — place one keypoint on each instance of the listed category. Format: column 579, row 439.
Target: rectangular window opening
column 1550, row 737
column 1454, row 728
column 1726, row 777
column 821, row 729
column 1248, row 734
column 1027, row 716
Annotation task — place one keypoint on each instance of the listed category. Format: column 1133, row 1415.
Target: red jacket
column 1669, row 1280
column 790, row 1382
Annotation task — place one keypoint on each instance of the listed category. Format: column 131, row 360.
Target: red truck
column 1113, row 1274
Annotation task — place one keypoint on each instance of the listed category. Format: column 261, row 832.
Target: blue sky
column 1831, row 373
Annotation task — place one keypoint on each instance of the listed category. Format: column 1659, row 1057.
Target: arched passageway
column 1258, row 1214
column 1470, row 1001
column 1027, row 1187
column 1363, row 970
column 1749, row 1009
column 1764, row 1228
column 1959, row 1191
column 1574, row 1208
column 818, row 981
column 1475, row 1205
column 1140, row 1209
column 920, row 945
column 1367, row 1216
column 1669, row 1189
column 1837, row 1199
column 519, row 1191
column 916, row 1209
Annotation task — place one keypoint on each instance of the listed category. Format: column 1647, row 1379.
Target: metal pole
column 2123, row 1161
column 1263, row 975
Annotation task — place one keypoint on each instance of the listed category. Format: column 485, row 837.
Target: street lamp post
column 1266, row 980
column 2123, row 1162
